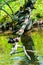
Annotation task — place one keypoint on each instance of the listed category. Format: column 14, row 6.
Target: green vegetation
column 15, row 5
column 5, row 47
column 37, row 13
column 38, row 42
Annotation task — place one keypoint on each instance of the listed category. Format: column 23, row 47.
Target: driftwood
column 40, row 25
column 20, row 32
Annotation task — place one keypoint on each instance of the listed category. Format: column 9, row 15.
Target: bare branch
column 32, row 51
column 26, row 53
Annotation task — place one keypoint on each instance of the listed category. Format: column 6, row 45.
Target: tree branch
column 26, row 53
column 32, row 51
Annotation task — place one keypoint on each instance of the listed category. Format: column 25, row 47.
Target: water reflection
column 41, row 63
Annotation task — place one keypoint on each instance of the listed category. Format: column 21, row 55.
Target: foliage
column 15, row 5
column 38, row 42
column 37, row 13
column 5, row 48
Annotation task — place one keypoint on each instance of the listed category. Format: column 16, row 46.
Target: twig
column 31, row 51
column 26, row 53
